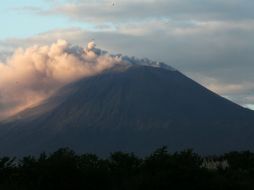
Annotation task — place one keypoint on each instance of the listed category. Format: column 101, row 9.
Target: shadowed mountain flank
column 130, row 108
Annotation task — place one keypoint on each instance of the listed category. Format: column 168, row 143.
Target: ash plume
column 33, row 74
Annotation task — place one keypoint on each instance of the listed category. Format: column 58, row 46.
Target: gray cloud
column 221, row 61
column 130, row 10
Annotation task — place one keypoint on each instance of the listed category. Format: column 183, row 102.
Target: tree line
column 161, row 170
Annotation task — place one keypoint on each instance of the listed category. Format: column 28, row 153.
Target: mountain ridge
column 133, row 108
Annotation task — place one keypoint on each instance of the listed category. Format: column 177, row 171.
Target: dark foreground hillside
column 123, row 171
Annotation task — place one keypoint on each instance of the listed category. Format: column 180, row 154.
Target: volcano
column 134, row 108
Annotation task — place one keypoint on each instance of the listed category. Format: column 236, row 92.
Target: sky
column 211, row 41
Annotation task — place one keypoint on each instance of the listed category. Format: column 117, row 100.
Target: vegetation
column 123, row 171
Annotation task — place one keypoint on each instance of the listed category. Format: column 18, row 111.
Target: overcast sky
column 211, row 41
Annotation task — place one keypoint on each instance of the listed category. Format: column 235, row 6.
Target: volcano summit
column 135, row 106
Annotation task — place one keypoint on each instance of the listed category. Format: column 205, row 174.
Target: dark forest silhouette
column 64, row 169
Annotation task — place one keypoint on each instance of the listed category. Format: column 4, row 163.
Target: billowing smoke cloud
column 33, row 74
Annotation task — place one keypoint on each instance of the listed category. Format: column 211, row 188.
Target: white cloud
column 33, row 74
column 250, row 106
column 30, row 75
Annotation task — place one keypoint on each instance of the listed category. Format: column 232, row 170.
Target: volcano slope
column 130, row 108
